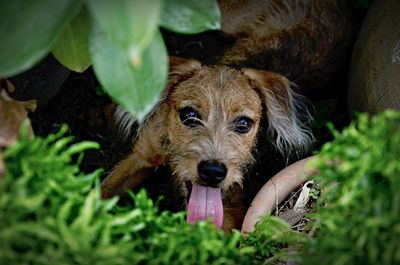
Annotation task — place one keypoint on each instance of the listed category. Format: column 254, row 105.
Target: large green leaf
column 28, row 30
column 136, row 88
column 191, row 17
column 72, row 45
column 129, row 24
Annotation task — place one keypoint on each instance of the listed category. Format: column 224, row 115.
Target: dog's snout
column 212, row 172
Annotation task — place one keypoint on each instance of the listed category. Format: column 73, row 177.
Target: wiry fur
column 125, row 122
column 290, row 132
column 265, row 17
column 301, row 41
column 284, row 109
column 307, row 41
column 220, row 94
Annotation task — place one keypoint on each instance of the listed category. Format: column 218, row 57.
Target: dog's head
column 212, row 117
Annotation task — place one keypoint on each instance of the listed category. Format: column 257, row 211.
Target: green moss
column 51, row 213
column 359, row 222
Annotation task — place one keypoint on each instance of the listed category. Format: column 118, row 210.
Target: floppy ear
column 180, row 69
column 282, row 110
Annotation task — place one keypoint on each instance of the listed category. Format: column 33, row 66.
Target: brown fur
column 307, row 41
column 301, row 41
column 220, row 95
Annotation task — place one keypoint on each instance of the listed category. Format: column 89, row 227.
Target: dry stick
column 287, row 201
column 275, row 191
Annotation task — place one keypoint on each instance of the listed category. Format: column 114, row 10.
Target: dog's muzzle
column 205, row 200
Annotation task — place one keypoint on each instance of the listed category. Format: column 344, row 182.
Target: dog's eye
column 189, row 117
column 243, row 124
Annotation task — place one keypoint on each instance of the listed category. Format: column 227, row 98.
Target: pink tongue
column 205, row 202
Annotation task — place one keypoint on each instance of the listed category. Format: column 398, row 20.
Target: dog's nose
column 212, row 172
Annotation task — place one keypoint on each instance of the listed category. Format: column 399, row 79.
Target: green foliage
column 122, row 80
column 126, row 48
column 183, row 16
column 28, row 30
column 51, row 213
column 271, row 240
column 72, row 46
column 360, row 173
column 130, row 25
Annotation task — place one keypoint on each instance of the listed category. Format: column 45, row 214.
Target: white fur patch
column 125, row 121
column 291, row 134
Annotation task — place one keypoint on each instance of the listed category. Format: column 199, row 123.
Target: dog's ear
column 282, row 110
column 181, row 69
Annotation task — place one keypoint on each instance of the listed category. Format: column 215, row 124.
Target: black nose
column 211, row 172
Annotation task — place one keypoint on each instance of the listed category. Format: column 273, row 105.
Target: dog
column 205, row 127
column 207, row 124
column 307, row 41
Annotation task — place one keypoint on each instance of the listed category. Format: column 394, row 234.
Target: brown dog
column 205, row 128
column 206, row 124
column 307, row 41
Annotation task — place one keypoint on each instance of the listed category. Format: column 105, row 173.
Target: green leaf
column 28, row 30
column 82, row 146
column 72, row 45
column 136, row 88
column 191, row 17
column 131, row 25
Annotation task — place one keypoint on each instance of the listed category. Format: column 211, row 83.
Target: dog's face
column 213, row 115
column 212, row 124
column 205, row 128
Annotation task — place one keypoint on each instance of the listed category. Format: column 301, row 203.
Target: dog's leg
column 146, row 155
column 128, row 174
